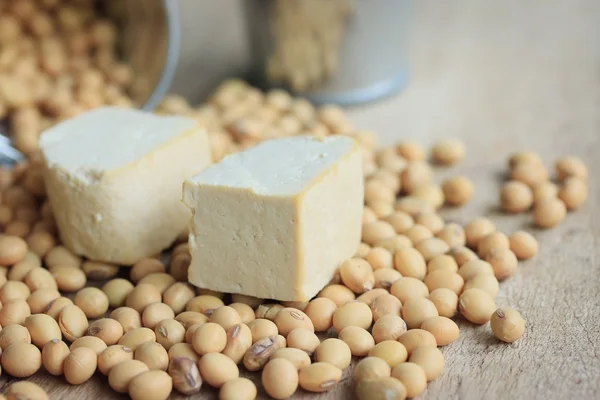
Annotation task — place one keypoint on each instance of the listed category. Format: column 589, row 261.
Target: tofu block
column 276, row 220
column 113, row 177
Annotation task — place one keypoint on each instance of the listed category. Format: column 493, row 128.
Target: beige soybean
column 14, row 290
column 458, row 190
column 204, row 304
column 18, row 271
column 12, row 249
column 260, row 352
column 141, row 296
column 238, row 389
column 61, row 256
column 431, row 247
column 380, row 258
column 169, row 332
column 180, row 265
column 492, row 241
column 21, row 360
column 390, row 351
column 13, row 333
column 573, row 192
column 209, row 338
column 476, row 305
column 291, row 318
column 485, row 282
column 376, row 190
column 39, row 278
column 544, row 191
column 239, row 340
column 55, row 306
column 144, row 267
column 189, row 318
column 280, row 378
column 245, row 312
column 526, row 156
column 73, row 322
column 443, row 329
column 412, row 376
column 14, row 312
column 407, row 288
column 503, row 261
column 42, row 329
column 320, row 311
column 414, row 206
column 442, row 262
column 303, row 339
column 150, row 385
column 185, row 375
column 475, row 267
column 357, row 275
column 570, row 166
column 507, row 324
column 24, row 390
column 99, row 271
column 359, row 340
column 92, row 301
column 106, row 329
column 477, row 229
column 153, row 355
column 269, row 311
column 462, row 255
column 400, row 221
column 549, row 213
column 80, row 365
column 410, row 263
column 376, row 231
column 432, row 194
column 127, row 317
column 515, row 197
column 261, row 328
column 430, row 359
column 453, row 234
column 529, row 173
column 112, row 356
column 319, row 377
column 354, row 313
column 156, row 312
column 448, row 151
column 447, row 279
column 371, row 368
column 388, row 327
column 217, row 369
column 178, row 295
column 445, row 301
column 417, row 310
column 69, row 279
column 416, row 174
column 225, row 316
column 183, row 350
column 412, row 151
column 117, row 290
column 385, row 277
column 369, row 297
column 523, row 244
column 160, row 280
column 384, row 305
column 90, row 342
column 136, row 337
column 339, row 294
column 416, row 338
column 298, row 357
column 121, row 375
column 380, row 389
column 431, row 221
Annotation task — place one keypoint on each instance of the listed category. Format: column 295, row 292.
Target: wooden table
column 503, row 76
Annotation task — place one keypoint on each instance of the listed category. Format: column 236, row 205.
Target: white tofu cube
column 275, row 221
column 114, row 177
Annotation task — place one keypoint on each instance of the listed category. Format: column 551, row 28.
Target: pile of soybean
column 392, row 306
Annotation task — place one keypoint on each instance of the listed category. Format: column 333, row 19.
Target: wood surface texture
column 503, row 76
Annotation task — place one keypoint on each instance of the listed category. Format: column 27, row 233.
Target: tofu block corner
column 113, row 178
column 276, row 220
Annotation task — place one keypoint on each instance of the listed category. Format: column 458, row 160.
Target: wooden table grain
column 503, row 76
